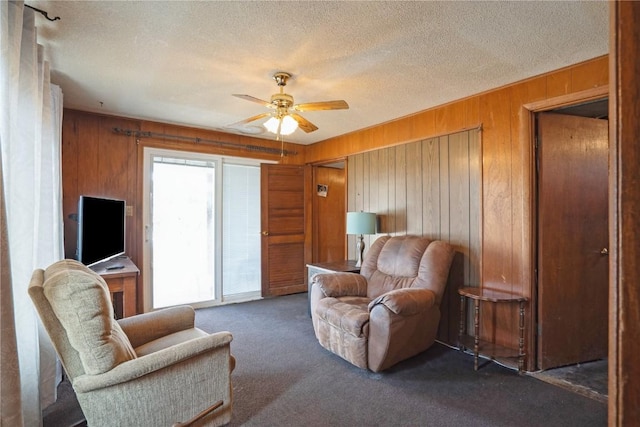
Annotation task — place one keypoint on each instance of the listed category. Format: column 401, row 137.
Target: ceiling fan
column 284, row 119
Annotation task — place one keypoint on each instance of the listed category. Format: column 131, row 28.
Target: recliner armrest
column 157, row 361
column 407, row 301
column 147, row 327
column 341, row 284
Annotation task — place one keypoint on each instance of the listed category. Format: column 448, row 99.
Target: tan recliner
column 154, row 369
column 391, row 310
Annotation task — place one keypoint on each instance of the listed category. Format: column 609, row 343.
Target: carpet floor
column 284, row 377
column 590, row 379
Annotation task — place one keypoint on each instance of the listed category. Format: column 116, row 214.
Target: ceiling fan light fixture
column 272, row 125
column 289, row 125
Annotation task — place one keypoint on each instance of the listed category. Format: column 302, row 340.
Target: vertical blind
column 240, row 228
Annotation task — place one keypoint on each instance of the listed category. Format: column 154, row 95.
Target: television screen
column 101, row 229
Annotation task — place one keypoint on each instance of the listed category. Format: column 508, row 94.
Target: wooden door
column 329, row 213
column 283, row 229
column 572, row 239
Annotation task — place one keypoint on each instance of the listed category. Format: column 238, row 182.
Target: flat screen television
column 101, row 229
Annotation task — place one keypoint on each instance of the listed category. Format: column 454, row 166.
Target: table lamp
column 360, row 223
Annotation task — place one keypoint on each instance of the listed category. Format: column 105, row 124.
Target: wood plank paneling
column 559, row 83
column 391, row 191
column 413, row 197
column 371, row 158
column 382, row 189
column 424, row 188
column 366, row 191
column 97, row 163
column 459, row 201
column 358, row 202
column 400, row 189
column 70, row 153
column 475, row 205
column 431, row 186
column 445, row 188
column 588, row 75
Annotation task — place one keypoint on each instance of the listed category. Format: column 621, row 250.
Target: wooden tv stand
column 122, row 283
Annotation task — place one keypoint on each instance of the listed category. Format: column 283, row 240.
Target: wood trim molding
column 624, row 213
column 592, row 94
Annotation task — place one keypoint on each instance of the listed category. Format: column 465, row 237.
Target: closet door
column 572, row 239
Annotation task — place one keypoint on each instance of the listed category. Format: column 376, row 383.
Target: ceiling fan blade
column 254, row 99
column 250, row 119
column 303, row 123
column 326, row 105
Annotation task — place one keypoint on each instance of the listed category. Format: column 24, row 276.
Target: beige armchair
column 154, row 369
column 391, row 310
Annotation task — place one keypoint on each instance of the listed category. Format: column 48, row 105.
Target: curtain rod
column 45, row 14
column 248, row 147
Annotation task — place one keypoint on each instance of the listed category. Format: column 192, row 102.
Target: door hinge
column 539, row 329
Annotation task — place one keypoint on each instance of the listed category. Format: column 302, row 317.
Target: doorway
column 572, row 238
column 202, row 229
column 329, row 212
column 183, row 231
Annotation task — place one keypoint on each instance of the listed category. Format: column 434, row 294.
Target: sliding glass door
column 202, row 222
column 241, row 229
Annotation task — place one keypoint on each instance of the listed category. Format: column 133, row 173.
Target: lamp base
column 359, row 250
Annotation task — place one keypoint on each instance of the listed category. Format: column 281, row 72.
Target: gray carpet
column 589, row 379
column 284, row 377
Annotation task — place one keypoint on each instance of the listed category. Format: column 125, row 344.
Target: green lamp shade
column 361, row 223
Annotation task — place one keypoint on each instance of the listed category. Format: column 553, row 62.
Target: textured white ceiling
column 181, row 61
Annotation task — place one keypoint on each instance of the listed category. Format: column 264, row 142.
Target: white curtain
column 31, row 199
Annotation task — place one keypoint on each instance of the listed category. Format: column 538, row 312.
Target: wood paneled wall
column 97, row 161
column 507, row 172
column 427, row 188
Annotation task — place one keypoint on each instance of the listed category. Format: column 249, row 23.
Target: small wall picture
column 322, row 190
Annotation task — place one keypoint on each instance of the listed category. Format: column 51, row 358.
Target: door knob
column 604, row 251
column 265, row 233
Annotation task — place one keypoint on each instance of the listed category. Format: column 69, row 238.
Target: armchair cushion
column 341, row 284
column 147, row 327
column 407, row 301
column 169, row 340
column 80, row 299
column 343, row 327
column 349, row 314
